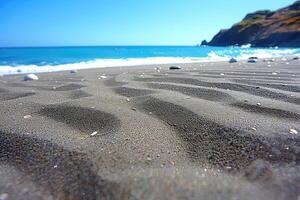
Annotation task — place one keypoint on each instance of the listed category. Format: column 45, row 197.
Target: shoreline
column 130, row 62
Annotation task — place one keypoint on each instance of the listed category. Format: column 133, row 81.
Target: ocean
column 45, row 59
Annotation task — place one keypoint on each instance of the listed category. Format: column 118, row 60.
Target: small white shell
column 94, row 133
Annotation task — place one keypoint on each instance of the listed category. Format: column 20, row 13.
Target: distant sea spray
column 46, row 59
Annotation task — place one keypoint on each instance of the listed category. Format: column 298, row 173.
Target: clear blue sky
column 120, row 22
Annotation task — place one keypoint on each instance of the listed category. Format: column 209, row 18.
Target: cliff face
column 264, row 29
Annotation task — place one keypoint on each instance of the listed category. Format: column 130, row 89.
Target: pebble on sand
column 222, row 74
column 134, row 109
column 157, row 69
column 149, row 158
column 94, row 133
column 274, row 73
column 253, row 60
column 31, row 77
column 233, row 60
column 293, row 131
column 174, row 67
column 73, row 71
column 259, row 104
column 102, row 77
column 128, row 100
column 27, row 116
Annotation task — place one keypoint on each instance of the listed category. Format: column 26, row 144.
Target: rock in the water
column 31, row 77
column 204, row 43
column 174, row 67
column 233, row 60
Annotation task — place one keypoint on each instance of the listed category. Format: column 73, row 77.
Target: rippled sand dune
column 207, row 131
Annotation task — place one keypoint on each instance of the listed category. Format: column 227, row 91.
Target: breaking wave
column 211, row 56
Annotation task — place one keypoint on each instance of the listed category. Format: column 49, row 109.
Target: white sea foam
column 220, row 55
column 102, row 63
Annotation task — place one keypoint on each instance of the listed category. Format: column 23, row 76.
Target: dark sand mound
column 63, row 174
column 60, row 88
column 247, row 77
column 221, row 146
column 207, row 94
column 249, row 74
column 111, row 82
column 14, row 95
column 131, row 92
column 278, row 113
column 84, row 119
column 69, row 87
column 78, row 94
column 16, row 85
column 64, row 78
column 50, row 87
column 231, row 86
column 284, row 87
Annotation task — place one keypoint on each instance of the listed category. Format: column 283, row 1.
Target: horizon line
column 132, row 45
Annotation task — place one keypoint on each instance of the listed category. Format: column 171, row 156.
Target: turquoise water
column 61, row 58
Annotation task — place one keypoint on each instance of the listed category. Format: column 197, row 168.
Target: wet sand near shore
column 207, row 131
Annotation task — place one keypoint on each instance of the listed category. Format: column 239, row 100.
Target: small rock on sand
column 31, row 77
column 73, row 71
column 94, row 133
column 102, row 77
column 259, row 104
column 174, row 67
column 27, row 116
column 253, row 60
column 233, row 60
column 149, row 158
column 293, row 131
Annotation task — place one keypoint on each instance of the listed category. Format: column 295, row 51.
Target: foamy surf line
column 102, row 63
column 213, row 56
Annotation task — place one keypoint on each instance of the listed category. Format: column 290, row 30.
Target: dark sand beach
column 207, row 131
